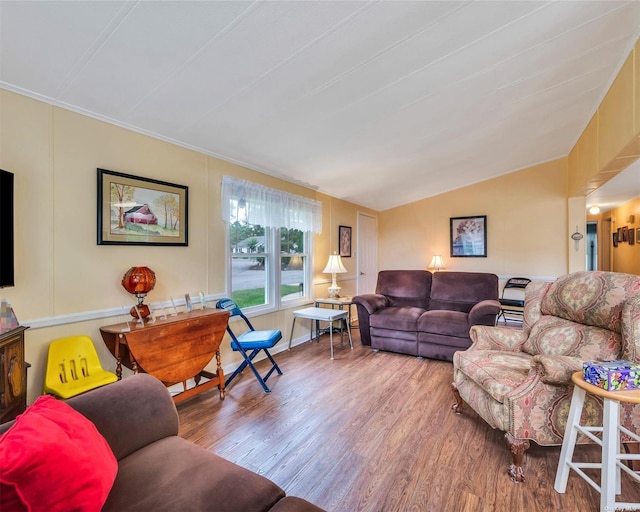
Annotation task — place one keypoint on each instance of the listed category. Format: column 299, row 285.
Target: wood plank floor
column 375, row 432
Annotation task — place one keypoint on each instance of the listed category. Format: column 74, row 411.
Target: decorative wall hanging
column 141, row 211
column 468, row 236
column 344, row 241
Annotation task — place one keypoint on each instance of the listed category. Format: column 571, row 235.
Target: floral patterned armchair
column 519, row 381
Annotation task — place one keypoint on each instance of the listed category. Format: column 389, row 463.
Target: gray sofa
column 159, row 471
column 429, row 315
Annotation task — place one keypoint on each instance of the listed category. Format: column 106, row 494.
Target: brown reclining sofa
column 429, row 315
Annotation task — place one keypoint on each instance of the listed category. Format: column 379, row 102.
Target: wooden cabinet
column 13, row 370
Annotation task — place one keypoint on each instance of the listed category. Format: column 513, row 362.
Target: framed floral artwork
column 468, row 236
column 344, row 241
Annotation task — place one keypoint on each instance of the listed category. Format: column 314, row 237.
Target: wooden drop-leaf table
column 173, row 350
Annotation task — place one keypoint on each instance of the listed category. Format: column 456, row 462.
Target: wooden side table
column 611, row 463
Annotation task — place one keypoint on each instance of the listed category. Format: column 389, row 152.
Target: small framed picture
column 638, row 235
column 624, row 234
column 615, row 239
column 630, row 236
column 468, row 236
column 344, row 241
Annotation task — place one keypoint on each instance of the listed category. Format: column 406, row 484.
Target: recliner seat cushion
column 496, row 372
column 396, row 318
column 445, row 322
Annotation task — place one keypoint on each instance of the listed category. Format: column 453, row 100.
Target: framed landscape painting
column 468, row 236
column 141, row 211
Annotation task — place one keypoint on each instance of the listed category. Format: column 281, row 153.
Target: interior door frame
column 367, row 249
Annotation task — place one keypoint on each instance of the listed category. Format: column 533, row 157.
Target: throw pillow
column 54, row 459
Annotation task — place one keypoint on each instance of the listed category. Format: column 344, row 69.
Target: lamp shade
column 334, row 265
column 139, row 280
column 436, row 263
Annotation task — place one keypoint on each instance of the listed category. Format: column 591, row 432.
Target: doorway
column 367, row 253
column 592, row 246
column 605, row 262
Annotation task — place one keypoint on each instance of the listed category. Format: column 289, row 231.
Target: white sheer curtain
column 257, row 204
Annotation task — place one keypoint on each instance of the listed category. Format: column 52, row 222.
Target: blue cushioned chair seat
column 258, row 339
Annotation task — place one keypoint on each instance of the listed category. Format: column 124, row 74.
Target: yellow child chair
column 73, row 367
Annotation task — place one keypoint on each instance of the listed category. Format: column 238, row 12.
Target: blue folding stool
column 250, row 343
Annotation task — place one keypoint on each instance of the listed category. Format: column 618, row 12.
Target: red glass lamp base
column 144, row 311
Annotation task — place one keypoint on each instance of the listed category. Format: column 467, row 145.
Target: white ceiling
column 378, row 103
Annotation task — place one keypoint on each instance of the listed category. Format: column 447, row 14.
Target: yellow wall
column 616, row 115
column 336, row 213
column 526, row 225
column 611, row 139
column 61, row 272
column 625, row 257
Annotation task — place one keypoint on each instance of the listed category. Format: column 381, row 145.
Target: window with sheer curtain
column 269, row 239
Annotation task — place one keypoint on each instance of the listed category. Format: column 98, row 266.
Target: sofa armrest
column 372, row 302
column 484, row 312
column 486, row 337
column 131, row 413
column 367, row 305
column 556, row 370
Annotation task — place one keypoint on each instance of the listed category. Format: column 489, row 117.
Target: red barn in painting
column 140, row 215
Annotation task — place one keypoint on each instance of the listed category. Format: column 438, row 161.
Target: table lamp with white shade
column 436, row 263
column 334, row 266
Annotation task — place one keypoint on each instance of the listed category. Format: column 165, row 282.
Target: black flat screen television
column 6, row 229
